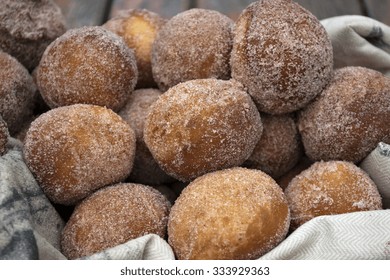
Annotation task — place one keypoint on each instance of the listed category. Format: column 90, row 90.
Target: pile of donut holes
column 220, row 136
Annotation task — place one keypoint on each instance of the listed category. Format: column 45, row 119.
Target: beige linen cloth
column 30, row 227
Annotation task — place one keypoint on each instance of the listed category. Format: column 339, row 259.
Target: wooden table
column 96, row 12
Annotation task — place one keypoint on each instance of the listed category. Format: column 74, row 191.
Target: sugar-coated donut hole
column 28, row 27
column 112, row 216
column 235, row 213
column 330, row 188
column 303, row 164
column 349, row 118
column 201, row 126
column 138, row 28
column 281, row 54
column 279, row 148
column 87, row 65
column 145, row 169
column 74, row 150
column 17, row 93
column 4, row 134
column 194, row 44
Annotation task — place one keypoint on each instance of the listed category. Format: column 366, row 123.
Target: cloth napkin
column 30, row 227
column 377, row 165
column 359, row 41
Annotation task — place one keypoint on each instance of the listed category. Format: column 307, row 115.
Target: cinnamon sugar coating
column 138, row 28
column 303, row 164
column 145, row 169
column 74, row 150
column 235, row 213
column 194, row 44
column 349, row 118
column 87, row 65
column 200, row 126
column 28, row 27
column 112, row 216
column 329, row 188
column 282, row 54
column 17, row 93
column 4, row 134
column 279, row 148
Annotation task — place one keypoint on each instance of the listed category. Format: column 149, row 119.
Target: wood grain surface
column 96, row 12
column 378, row 9
column 84, row 12
column 331, row 8
column 165, row 8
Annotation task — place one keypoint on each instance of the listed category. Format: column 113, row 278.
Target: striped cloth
column 353, row 236
column 377, row 165
column 30, row 227
column 25, row 212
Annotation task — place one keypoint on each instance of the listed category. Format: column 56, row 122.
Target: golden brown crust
column 145, row 169
column 282, row 54
column 194, row 44
column 200, row 126
column 279, row 148
column 28, row 27
column 74, row 150
column 234, row 213
column 303, row 164
column 329, row 188
column 112, row 216
column 138, row 28
column 17, row 93
column 4, row 134
column 349, row 118
column 87, row 65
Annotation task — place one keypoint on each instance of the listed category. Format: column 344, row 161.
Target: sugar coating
column 329, row 188
column 88, row 65
column 279, row 148
column 112, row 216
column 166, row 191
column 145, row 169
column 201, row 126
column 282, row 54
column 4, row 134
column 194, row 44
column 349, row 118
column 28, row 27
column 235, row 213
column 75, row 150
column 138, row 28
column 303, row 164
column 17, row 93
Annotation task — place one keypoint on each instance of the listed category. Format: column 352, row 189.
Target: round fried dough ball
column 28, row 27
column 138, row 28
column 145, row 170
column 282, row 54
column 201, row 126
column 349, row 118
column 88, row 65
column 234, row 213
column 194, row 44
column 303, row 164
column 4, row 134
column 329, row 188
column 112, row 216
column 74, row 150
column 279, row 147
column 17, row 93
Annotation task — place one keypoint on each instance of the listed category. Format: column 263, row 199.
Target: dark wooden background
column 96, row 12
